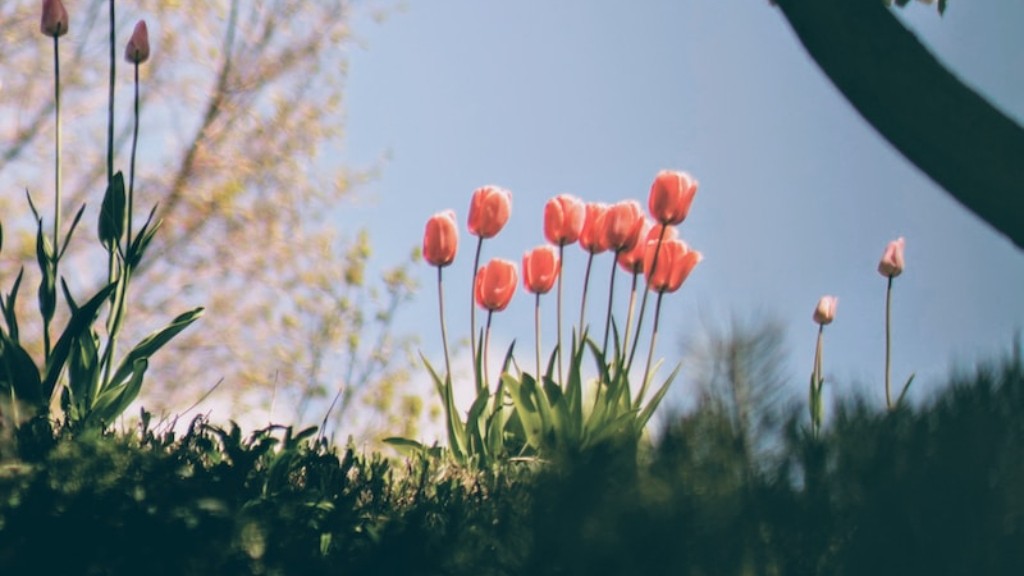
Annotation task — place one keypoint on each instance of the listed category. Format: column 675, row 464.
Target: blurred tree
column 238, row 100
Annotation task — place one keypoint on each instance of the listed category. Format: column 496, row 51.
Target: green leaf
column 906, row 387
column 141, row 242
column 150, row 344
column 405, row 446
column 9, row 307
column 113, row 213
column 20, row 372
column 48, row 275
column 648, row 410
column 79, row 324
column 113, row 401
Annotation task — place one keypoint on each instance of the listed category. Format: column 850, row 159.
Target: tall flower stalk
column 824, row 313
column 489, row 211
column 891, row 266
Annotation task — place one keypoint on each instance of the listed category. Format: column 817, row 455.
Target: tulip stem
column 472, row 311
column 486, row 349
column 536, row 334
column 816, row 381
column 888, row 343
column 57, row 180
column 650, row 353
column 629, row 313
column 611, row 294
column 643, row 301
column 110, row 107
column 444, row 328
column 583, row 300
column 131, row 167
column 561, row 251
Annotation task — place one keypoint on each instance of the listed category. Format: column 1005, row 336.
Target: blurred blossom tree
column 238, row 99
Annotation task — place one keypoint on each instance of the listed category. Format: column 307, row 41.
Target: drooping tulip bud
column 891, row 264
column 55, row 19
column 671, row 195
column 137, row 50
column 825, row 312
column 592, row 234
column 622, row 225
column 441, row 239
column 495, row 284
column 540, row 269
column 489, row 210
column 563, row 219
column 675, row 262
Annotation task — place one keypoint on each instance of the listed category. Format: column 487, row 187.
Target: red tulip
column 495, row 284
column 540, row 269
column 489, row 211
column 891, row 264
column 55, row 19
column 137, row 50
column 592, row 235
column 675, row 262
column 825, row 312
column 633, row 260
column 441, row 239
column 622, row 225
column 671, row 196
column 563, row 219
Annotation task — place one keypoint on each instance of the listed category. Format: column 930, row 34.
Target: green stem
column 583, row 300
column 472, row 312
column 888, row 344
column 611, row 294
column 536, row 336
column 629, row 313
column 650, row 353
column 643, row 301
column 131, row 168
column 561, row 251
column 444, row 328
column 487, row 347
column 816, row 381
column 110, row 107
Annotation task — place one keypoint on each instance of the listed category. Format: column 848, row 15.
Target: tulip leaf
column 79, row 324
column 113, row 213
column 150, row 344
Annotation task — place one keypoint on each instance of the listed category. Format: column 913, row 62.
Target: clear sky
column 798, row 195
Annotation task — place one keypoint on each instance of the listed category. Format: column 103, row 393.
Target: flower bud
column 671, row 196
column 137, row 50
column 495, row 284
column 825, row 312
column 540, row 269
column 563, row 219
column 592, row 235
column 55, row 19
column 622, row 225
column 489, row 210
column 675, row 262
column 891, row 264
column 441, row 239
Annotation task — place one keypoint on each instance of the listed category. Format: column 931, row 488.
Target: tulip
column 632, row 260
column 563, row 219
column 489, row 210
column 671, row 196
column 441, row 239
column 55, row 19
column 540, row 269
column 891, row 264
column 495, row 284
column 825, row 312
column 675, row 262
column 622, row 225
column 137, row 50
column 591, row 235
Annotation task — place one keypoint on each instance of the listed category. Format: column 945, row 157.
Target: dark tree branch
column 949, row 131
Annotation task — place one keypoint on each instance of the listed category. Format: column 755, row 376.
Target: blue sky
column 798, row 195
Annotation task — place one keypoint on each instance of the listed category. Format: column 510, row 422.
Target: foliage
column 930, row 490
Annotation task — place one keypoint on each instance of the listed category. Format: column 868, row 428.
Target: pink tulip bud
column 563, row 219
column 671, row 196
column 592, row 234
column 55, row 19
column 825, row 312
column 441, row 239
column 495, row 284
column 489, row 210
column 891, row 264
column 540, row 269
column 137, row 50
column 675, row 262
